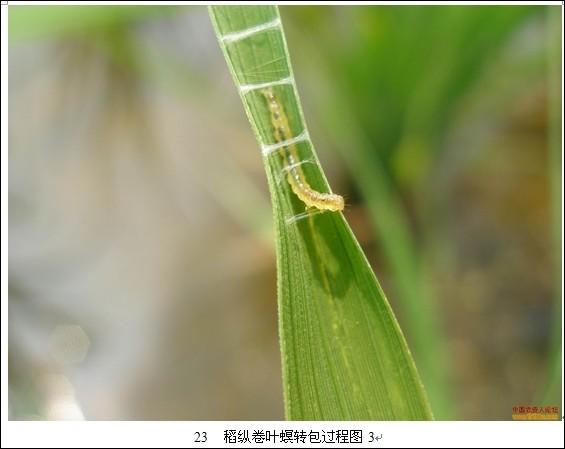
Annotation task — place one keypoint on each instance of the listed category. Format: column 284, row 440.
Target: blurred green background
column 141, row 254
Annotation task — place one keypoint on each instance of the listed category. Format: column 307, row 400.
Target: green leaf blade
column 343, row 354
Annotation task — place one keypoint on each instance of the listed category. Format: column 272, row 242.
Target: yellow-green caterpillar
column 295, row 175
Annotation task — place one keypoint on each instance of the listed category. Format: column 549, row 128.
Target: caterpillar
column 295, row 176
